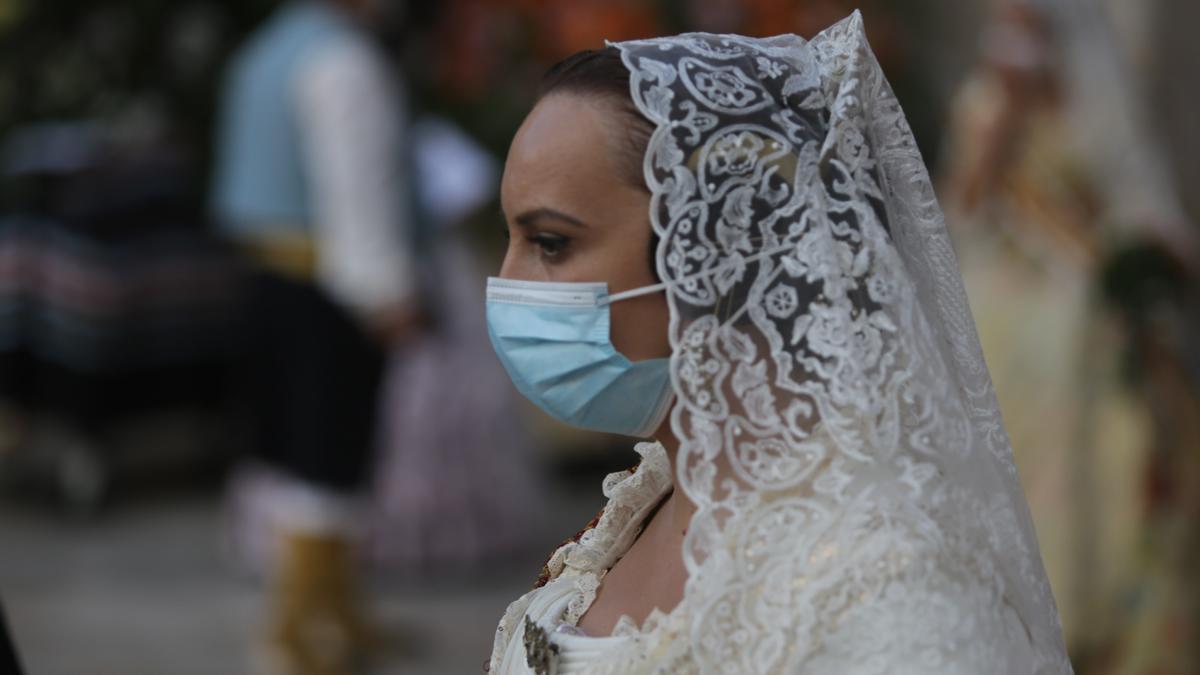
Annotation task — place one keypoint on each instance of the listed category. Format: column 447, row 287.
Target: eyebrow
column 529, row 218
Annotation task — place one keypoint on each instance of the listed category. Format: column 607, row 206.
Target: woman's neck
column 677, row 509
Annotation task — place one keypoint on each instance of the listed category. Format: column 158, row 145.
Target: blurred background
column 249, row 418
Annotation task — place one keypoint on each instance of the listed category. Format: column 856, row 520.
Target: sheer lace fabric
column 859, row 510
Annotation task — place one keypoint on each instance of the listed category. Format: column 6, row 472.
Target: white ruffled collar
column 632, row 495
column 575, row 570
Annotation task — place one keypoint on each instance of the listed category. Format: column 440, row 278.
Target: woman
column 830, row 489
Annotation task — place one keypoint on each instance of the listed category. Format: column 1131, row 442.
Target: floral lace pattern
column 859, row 509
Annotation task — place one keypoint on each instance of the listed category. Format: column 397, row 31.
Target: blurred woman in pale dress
column 1048, row 177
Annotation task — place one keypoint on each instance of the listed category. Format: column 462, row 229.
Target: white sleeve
column 353, row 133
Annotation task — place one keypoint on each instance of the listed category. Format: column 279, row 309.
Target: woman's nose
column 506, row 265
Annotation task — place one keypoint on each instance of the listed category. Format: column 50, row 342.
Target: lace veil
column 859, row 510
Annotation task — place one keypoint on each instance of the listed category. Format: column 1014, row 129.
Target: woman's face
column 571, row 215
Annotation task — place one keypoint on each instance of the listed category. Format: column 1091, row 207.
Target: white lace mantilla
column 858, row 506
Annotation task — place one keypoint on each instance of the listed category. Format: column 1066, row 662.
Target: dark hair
column 601, row 73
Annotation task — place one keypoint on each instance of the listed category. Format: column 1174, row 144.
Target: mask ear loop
column 634, row 293
column 647, row 290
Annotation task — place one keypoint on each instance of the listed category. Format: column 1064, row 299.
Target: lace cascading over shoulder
column 859, row 510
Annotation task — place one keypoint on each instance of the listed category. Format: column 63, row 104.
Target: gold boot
column 317, row 625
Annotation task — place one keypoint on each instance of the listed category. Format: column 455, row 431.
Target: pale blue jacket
column 259, row 186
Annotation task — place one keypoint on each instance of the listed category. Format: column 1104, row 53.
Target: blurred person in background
column 444, row 496
column 455, row 487
column 115, row 305
column 311, row 183
column 1061, row 203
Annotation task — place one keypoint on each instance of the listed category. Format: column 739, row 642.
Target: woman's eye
column 551, row 245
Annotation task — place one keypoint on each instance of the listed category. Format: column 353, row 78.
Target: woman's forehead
column 564, row 149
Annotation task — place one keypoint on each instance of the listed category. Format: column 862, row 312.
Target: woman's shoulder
column 594, row 548
column 580, row 562
column 630, row 494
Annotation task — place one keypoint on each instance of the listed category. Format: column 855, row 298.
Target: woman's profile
column 731, row 246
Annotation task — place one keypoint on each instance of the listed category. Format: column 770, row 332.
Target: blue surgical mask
column 553, row 339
